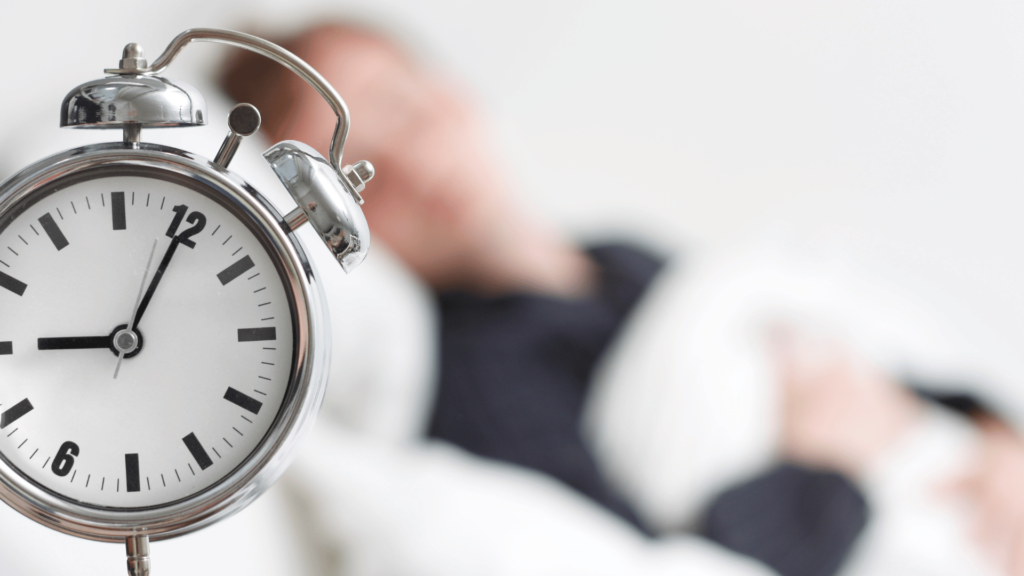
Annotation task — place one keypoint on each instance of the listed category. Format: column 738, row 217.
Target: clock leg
column 138, row 555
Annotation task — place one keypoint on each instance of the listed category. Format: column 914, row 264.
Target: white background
column 889, row 134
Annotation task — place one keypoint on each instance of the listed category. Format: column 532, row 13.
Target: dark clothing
column 515, row 372
column 795, row 520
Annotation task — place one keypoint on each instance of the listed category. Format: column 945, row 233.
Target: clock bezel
column 310, row 358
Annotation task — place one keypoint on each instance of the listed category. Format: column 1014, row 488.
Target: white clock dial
column 217, row 341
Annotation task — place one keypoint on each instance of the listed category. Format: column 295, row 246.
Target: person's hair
column 272, row 88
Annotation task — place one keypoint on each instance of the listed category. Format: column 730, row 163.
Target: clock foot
column 138, row 555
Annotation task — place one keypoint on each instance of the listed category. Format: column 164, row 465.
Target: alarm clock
column 163, row 335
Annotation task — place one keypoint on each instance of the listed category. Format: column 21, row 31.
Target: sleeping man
column 746, row 400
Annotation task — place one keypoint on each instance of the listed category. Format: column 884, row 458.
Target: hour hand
column 74, row 343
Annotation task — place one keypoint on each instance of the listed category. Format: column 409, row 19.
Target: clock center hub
column 125, row 341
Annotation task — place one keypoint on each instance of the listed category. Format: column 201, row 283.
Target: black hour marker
column 117, row 209
column 197, row 450
column 256, row 334
column 6, row 348
column 131, row 472
column 235, row 270
column 14, row 412
column 243, row 401
column 53, row 231
column 12, row 284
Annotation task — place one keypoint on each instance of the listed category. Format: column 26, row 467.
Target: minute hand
column 157, row 276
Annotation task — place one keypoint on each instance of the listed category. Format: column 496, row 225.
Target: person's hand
column 838, row 412
column 996, row 487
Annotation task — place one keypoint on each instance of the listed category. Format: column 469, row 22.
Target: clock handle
column 275, row 53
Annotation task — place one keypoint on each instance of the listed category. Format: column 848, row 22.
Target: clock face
column 115, row 414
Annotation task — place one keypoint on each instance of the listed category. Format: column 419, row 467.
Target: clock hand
column 157, row 276
column 135, row 310
column 74, row 343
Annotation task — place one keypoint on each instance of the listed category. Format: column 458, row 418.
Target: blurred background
column 883, row 133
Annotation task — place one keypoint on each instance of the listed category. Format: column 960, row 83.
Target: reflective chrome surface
column 133, row 60
column 138, row 555
column 275, row 53
column 145, row 101
column 243, row 120
column 327, row 200
column 358, row 175
column 310, row 369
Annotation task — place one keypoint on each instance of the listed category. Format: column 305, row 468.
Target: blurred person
column 528, row 318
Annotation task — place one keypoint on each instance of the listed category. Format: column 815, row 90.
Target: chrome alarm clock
column 163, row 336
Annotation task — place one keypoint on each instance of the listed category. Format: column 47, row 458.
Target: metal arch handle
column 277, row 54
